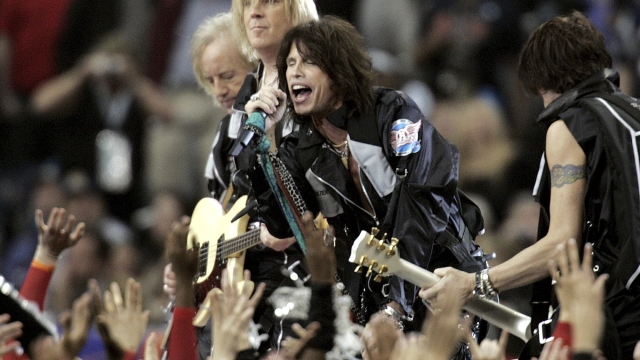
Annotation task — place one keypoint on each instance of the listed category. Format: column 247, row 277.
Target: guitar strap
column 279, row 179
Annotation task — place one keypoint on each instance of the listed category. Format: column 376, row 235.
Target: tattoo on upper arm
column 567, row 174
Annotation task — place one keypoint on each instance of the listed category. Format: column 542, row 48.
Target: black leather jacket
column 426, row 205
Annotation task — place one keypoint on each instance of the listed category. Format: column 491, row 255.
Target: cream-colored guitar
column 383, row 258
column 222, row 243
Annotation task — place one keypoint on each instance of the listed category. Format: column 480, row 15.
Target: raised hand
column 413, row 347
column 151, row 347
column 9, row 331
column 321, row 258
column 169, row 280
column 488, row 349
column 579, row 293
column 292, row 347
column 75, row 325
column 232, row 309
column 184, row 262
column 379, row 337
column 442, row 328
column 58, row 233
column 122, row 323
column 554, row 350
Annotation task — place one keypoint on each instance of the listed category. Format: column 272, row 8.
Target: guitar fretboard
column 238, row 243
column 226, row 248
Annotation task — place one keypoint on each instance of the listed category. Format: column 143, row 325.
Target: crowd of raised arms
column 341, row 214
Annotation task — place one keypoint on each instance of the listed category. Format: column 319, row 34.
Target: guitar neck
column 495, row 313
column 240, row 243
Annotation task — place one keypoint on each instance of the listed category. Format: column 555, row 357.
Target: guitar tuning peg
column 372, row 236
column 381, row 245
column 373, row 265
column 383, row 269
column 384, row 237
column 392, row 248
column 361, row 263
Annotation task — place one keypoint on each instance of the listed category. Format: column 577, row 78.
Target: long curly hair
column 339, row 50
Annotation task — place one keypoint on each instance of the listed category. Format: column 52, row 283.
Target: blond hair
column 211, row 29
column 297, row 11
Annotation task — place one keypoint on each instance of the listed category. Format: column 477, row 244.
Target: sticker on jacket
column 404, row 137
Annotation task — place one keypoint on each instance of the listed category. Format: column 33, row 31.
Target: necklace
column 272, row 82
column 344, row 154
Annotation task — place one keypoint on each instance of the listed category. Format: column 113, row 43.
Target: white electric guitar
column 383, row 258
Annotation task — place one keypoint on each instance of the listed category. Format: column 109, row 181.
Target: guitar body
column 209, row 228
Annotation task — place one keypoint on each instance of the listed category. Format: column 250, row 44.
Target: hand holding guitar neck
column 381, row 257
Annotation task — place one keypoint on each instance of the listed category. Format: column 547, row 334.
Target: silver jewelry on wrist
column 483, row 287
column 400, row 319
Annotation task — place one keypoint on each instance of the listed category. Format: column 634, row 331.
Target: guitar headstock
column 378, row 254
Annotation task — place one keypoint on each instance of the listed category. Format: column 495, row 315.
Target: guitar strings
column 228, row 248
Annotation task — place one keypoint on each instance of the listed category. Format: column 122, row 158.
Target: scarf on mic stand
column 278, row 178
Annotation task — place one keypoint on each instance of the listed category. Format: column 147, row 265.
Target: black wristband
column 248, row 354
column 582, row 356
column 321, row 310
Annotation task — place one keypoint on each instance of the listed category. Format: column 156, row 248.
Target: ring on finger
column 254, row 97
column 328, row 238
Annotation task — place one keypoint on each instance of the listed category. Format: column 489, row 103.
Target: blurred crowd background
column 100, row 113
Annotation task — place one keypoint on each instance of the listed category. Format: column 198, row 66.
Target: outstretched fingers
column 573, row 255
column 587, row 257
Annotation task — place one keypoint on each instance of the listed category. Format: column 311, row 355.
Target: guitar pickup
column 202, row 259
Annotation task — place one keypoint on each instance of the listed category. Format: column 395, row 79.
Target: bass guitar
column 222, row 243
column 383, row 258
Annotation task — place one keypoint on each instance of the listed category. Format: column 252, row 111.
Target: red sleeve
column 129, row 355
column 34, row 288
column 6, row 15
column 182, row 336
column 36, row 283
column 13, row 356
column 563, row 331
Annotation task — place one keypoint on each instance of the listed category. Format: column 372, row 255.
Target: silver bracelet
column 400, row 319
column 483, row 287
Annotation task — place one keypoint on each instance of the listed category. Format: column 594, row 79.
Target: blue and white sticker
column 404, row 136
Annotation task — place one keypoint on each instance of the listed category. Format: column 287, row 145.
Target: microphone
column 245, row 137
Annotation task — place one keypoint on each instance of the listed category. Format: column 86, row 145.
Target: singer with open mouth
column 367, row 157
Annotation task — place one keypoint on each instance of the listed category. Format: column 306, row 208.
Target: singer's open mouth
column 300, row 92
